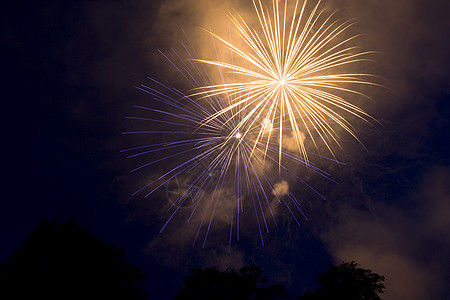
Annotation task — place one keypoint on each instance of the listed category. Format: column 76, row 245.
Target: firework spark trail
column 214, row 152
column 293, row 72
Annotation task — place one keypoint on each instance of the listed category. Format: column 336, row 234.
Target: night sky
column 70, row 71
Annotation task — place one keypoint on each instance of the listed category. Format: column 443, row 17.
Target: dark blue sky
column 70, row 68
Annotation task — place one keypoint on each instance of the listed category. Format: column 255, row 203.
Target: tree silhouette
column 63, row 261
column 210, row 283
column 349, row 282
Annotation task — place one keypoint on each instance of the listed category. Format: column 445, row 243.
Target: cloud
column 290, row 142
column 409, row 246
column 281, row 189
column 401, row 239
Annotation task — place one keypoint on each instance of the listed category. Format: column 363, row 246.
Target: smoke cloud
column 409, row 246
column 281, row 188
column 379, row 217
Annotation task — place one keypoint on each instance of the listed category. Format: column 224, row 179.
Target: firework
column 205, row 163
column 290, row 69
column 219, row 143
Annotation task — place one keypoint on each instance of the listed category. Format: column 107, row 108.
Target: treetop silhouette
column 63, row 261
column 347, row 281
column 210, row 283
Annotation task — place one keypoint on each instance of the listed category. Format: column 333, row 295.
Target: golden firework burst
column 290, row 70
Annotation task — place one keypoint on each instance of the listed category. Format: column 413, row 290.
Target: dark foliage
column 63, row 261
column 349, row 282
column 210, row 283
